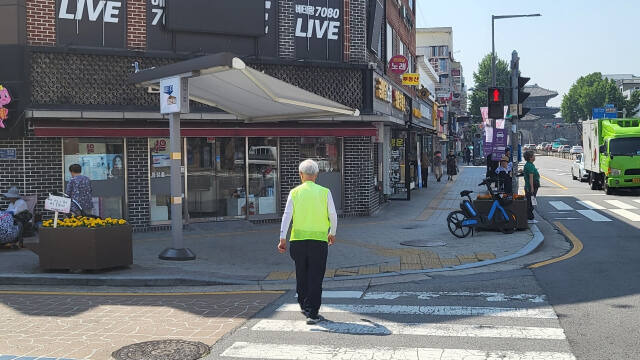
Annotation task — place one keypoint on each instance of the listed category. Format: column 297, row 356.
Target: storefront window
column 327, row 151
column 397, row 165
column 102, row 161
column 263, row 174
column 160, row 177
column 216, row 178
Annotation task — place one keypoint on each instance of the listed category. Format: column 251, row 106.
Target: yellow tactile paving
column 329, row 273
column 410, row 259
column 278, row 275
column 449, row 261
column 384, row 268
column 351, row 271
column 485, row 256
column 369, row 269
column 410, row 266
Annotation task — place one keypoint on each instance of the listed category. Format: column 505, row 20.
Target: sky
column 572, row 38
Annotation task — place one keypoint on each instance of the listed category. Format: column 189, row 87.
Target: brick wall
column 357, row 31
column 289, row 161
column 346, row 37
column 358, row 176
column 286, row 31
column 138, row 182
column 406, row 35
column 137, row 24
column 41, row 22
column 39, row 167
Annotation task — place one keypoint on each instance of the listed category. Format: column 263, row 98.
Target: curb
column 165, row 281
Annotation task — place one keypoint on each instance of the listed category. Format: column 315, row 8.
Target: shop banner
column 499, row 143
column 410, row 79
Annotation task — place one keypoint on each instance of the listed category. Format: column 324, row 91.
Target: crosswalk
column 406, row 326
column 628, row 209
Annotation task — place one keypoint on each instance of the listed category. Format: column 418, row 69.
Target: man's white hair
column 309, row 167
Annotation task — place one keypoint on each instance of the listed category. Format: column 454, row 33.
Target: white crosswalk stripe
column 621, row 205
column 560, row 205
column 626, row 214
column 591, row 205
column 539, row 313
column 594, row 215
column 388, row 328
column 242, row 349
column 525, row 321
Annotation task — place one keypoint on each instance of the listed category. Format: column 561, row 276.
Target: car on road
column 575, row 150
column 577, row 169
column 529, row 147
column 541, row 146
column 564, row 149
column 548, row 147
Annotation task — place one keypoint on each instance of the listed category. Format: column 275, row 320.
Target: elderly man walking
column 314, row 228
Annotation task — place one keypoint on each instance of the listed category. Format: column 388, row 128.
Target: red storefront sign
column 398, row 64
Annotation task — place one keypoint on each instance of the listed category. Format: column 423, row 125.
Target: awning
column 224, row 81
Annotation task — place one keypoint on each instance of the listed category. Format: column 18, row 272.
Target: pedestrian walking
column 531, row 183
column 452, row 165
column 437, row 165
column 424, row 169
column 467, row 156
column 79, row 189
column 314, row 216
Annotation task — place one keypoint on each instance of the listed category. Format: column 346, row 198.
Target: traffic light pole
column 515, row 73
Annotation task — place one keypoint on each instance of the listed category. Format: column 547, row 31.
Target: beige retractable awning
column 226, row 82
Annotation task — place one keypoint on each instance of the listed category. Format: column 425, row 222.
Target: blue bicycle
column 466, row 220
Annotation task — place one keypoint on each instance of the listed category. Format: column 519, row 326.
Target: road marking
column 621, row 205
column 560, row 205
column 419, row 329
column 243, row 349
column 591, row 205
column 543, row 312
column 626, row 214
column 554, row 183
column 575, row 250
column 431, row 295
column 638, row 201
column 594, row 215
column 567, row 218
column 341, row 294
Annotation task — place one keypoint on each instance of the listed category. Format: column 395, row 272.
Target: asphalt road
column 596, row 293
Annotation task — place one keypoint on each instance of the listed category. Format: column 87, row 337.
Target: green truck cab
column 612, row 153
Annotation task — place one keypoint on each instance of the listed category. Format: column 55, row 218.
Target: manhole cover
column 423, row 243
column 162, row 350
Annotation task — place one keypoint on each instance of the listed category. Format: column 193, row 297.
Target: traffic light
column 522, row 95
column 495, row 102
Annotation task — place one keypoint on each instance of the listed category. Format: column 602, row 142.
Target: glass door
column 327, row 151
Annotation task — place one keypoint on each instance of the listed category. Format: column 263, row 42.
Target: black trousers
column 310, row 257
column 425, row 176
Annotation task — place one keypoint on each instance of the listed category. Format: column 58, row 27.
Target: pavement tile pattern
column 93, row 326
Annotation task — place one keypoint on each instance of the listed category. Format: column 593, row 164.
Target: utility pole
column 515, row 73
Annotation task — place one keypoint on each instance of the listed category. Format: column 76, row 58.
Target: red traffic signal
column 496, row 96
column 495, row 102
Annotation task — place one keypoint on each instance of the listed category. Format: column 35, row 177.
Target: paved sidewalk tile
column 92, row 327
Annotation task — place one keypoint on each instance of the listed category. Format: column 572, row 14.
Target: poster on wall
column 318, row 29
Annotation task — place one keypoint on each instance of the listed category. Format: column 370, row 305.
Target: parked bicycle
column 466, row 220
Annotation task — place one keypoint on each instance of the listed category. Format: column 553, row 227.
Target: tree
column 482, row 80
column 594, row 91
column 631, row 104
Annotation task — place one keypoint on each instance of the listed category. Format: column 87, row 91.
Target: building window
column 443, row 65
column 402, row 47
column 103, row 162
column 389, row 42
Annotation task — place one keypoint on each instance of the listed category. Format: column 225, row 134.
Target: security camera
column 372, row 65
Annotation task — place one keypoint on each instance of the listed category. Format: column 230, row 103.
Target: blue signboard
column 8, row 154
column 610, row 112
column 597, row 113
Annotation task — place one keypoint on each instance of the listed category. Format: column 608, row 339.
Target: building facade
column 72, row 102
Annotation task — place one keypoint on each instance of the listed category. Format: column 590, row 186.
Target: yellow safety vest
column 310, row 213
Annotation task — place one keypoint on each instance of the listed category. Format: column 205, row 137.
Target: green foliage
column 482, row 80
column 593, row 91
column 632, row 103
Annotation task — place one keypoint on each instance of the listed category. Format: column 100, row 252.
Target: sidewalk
column 239, row 252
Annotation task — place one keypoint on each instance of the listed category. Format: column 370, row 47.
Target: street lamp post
column 493, row 43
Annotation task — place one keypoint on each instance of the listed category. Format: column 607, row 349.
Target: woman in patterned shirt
column 79, row 189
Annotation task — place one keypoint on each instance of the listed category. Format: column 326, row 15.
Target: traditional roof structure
column 537, row 102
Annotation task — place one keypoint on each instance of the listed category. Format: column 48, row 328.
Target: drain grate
column 162, row 350
column 423, row 243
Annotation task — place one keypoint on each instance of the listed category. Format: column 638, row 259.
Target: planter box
column 84, row 248
column 519, row 208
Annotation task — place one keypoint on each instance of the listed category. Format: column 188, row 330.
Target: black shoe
column 312, row 320
column 305, row 313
